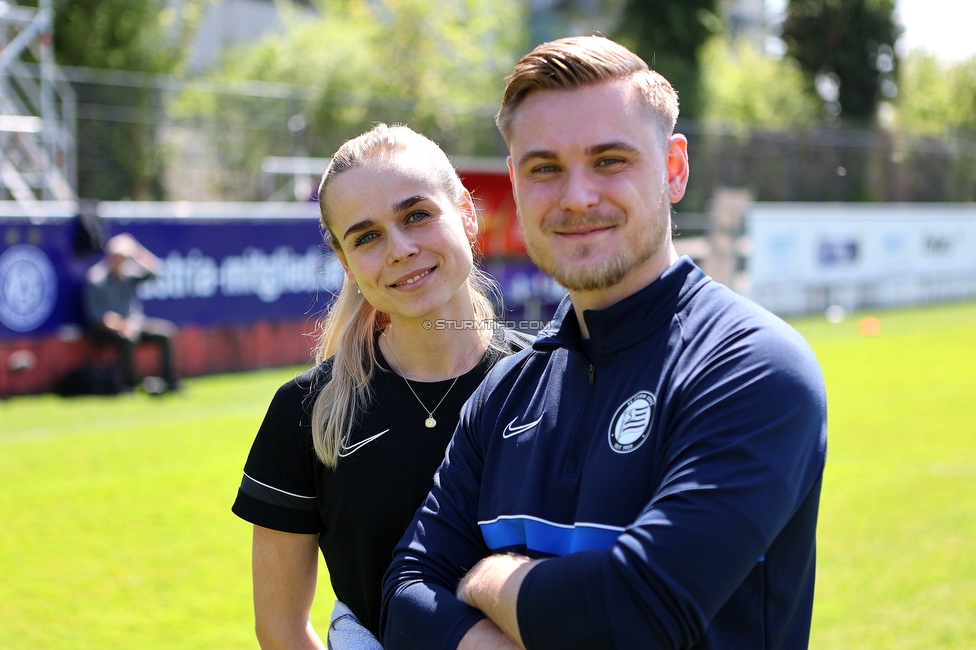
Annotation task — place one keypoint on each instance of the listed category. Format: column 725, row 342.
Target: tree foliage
column 741, row 86
column 937, row 98
column 118, row 155
column 669, row 36
column 845, row 42
column 438, row 66
column 138, row 35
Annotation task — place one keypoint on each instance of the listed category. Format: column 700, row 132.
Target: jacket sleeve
column 744, row 456
column 443, row 542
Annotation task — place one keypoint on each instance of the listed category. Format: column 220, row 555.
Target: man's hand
column 122, row 326
column 493, row 586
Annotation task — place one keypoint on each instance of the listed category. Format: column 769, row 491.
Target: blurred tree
column 846, row 49
column 669, row 35
column 437, row 65
column 133, row 35
column 116, row 141
column 937, row 98
column 741, row 86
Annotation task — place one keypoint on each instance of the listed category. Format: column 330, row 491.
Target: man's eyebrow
column 542, row 154
column 596, row 150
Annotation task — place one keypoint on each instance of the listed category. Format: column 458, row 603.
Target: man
column 648, row 474
column 115, row 314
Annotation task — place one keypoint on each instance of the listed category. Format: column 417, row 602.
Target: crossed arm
column 492, row 586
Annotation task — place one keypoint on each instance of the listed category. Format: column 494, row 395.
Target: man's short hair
column 579, row 61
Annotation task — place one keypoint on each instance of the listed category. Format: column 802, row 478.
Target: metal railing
column 37, row 110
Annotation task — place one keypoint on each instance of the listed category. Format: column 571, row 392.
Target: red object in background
column 211, row 347
column 199, row 351
column 499, row 234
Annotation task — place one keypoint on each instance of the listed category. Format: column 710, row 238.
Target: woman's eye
column 365, row 238
column 417, row 215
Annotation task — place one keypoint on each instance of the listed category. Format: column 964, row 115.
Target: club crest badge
column 28, row 287
column 631, row 424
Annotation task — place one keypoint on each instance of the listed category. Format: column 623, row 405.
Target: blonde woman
column 348, row 450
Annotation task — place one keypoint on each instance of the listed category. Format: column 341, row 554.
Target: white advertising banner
column 805, row 257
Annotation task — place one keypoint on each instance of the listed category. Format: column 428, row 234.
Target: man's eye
column 609, row 162
column 545, row 169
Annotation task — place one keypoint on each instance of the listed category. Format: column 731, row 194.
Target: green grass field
column 117, row 531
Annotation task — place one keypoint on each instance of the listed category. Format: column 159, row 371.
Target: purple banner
column 236, row 271
column 39, row 276
column 216, row 271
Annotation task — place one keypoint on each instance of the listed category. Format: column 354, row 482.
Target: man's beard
column 593, row 277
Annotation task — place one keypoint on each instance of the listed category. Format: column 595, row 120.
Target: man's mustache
column 569, row 222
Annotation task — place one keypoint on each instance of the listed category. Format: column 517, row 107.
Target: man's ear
column 677, row 166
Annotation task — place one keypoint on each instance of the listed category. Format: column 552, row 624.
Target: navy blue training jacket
column 671, row 468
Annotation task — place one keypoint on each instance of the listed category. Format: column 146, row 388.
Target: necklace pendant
column 430, row 422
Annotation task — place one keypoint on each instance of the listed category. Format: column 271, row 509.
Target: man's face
column 115, row 263
column 594, row 179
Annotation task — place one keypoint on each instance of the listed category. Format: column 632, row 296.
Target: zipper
column 576, row 446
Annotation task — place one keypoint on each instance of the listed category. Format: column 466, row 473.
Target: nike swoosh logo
column 514, row 431
column 352, row 449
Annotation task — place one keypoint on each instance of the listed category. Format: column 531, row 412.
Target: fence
column 163, row 137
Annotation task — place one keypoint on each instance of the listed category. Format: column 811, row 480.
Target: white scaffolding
column 37, row 110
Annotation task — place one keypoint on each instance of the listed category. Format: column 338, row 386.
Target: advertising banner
column 215, row 270
column 39, row 275
column 222, row 264
column 805, row 257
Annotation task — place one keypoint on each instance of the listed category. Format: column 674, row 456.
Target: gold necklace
column 430, row 422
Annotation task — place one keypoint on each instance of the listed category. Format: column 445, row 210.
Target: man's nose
column 580, row 192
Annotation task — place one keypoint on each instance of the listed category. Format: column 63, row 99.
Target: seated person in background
column 114, row 313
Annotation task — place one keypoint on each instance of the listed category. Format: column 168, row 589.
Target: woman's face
column 402, row 239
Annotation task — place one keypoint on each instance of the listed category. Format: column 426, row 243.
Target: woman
column 405, row 344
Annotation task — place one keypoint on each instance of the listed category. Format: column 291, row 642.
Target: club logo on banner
column 631, row 423
column 28, row 288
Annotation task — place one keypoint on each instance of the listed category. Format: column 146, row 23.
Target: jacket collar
column 623, row 324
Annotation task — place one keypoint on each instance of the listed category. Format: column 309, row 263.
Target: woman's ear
column 345, row 267
column 469, row 216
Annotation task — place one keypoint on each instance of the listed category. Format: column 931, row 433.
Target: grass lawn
column 117, row 531
column 897, row 534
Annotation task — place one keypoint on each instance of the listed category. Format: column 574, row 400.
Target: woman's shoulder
column 298, row 389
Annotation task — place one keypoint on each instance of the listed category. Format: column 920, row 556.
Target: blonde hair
column 348, row 331
column 579, row 61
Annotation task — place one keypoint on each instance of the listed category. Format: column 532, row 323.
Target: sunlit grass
column 898, row 514
column 117, row 530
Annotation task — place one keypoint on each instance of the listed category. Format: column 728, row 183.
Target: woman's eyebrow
column 408, row 203
column 365, row 224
